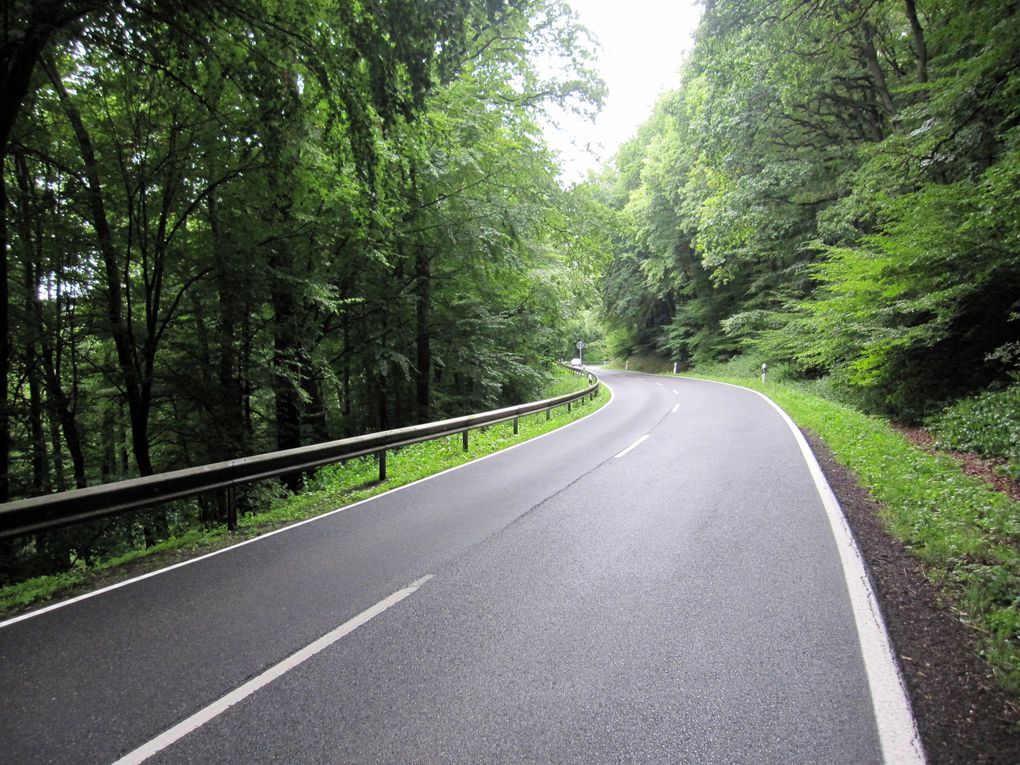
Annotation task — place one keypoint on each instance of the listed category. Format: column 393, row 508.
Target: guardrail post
column 568, row 405
column 464, row 438
column 515, row 425
column 231, row 497
column 382, row 465
column 548, row 413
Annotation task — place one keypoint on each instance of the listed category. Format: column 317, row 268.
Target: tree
column 253, row 225
column 828, row 188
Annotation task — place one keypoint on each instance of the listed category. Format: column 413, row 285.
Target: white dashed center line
column 220, row 706
column 633, row 445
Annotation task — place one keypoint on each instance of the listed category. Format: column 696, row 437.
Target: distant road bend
column 658, row 582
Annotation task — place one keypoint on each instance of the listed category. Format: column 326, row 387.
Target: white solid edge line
column 633, row 446
column 221, row 705
column 897, row 728
column 260, row 537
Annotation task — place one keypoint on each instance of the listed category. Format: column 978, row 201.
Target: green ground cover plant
column 331, row 487
column 966, row 534
column 988, row 424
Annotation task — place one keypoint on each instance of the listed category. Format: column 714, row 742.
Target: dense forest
column 833, row 188
column 245, row 225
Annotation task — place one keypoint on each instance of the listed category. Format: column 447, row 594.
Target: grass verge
column 331, row 487
column 966, row 535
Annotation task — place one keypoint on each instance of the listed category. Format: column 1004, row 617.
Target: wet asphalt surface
column 681, row 603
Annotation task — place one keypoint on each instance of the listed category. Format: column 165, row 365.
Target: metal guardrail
column 51, row 511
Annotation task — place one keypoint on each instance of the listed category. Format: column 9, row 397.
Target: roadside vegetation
column 833, row 187
column 987, row 424
column 272, row 506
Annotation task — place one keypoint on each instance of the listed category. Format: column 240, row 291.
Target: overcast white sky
column 644, row 42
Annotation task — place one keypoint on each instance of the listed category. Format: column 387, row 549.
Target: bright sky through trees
column 644, row 42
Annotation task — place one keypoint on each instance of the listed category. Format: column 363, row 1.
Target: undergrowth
column 988, row 424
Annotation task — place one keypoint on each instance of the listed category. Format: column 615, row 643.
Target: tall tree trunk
column 35, row 407
column 286, row 375
column 315, row 423
column 19, row 57
column 57, row 397
column 230, row 393
column 71, row 438
column 286, row 372
column 60, row 409
column 138, row 401
column 59, row 475
column 423, row 332
column 122, row 441
column 40, row 484
column 32, row 248
column 283, row 127
column 108, row 438
column 917, row 36
column 228, row 399
column 879, row 82
column 381, row 404
column 347, row 367
column 138, row 411
column 244, row 373
column 5, row 343
column 77, row 454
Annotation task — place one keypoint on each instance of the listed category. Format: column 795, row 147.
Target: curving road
column 658, row 582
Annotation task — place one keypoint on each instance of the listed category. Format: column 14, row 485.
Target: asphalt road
column 683, row 602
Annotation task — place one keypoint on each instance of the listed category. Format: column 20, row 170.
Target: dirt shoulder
column 962, row 715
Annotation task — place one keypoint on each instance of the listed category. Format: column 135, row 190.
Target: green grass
column 966, row 534
column 330, row 488
column 563, row 382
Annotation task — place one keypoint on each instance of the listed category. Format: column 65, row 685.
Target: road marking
column 633, row 445
column 897, row 729
column 218, row 707
column 660, row 385
column 675, row 407
column 676, row 392
column 291, row 527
